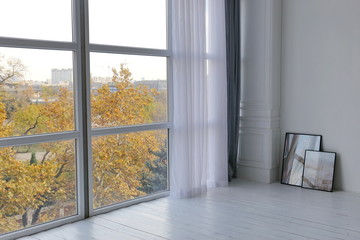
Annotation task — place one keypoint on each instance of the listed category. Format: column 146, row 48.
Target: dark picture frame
column 319, row 170
column 294, row 156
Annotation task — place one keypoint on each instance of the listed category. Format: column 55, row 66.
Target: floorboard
column 244, row 210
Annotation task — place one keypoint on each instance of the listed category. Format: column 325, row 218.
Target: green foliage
column 155, row 179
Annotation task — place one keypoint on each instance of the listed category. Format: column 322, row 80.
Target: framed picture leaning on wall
column 294, row 156
column 319, row 170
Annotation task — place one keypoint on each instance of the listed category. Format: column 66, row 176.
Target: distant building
column 97, row 82
column 102, row 80
column 62, row 76
column 159, row 85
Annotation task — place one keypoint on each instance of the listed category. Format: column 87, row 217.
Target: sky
column 134, row 23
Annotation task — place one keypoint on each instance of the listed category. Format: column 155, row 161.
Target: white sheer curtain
column 199, row 134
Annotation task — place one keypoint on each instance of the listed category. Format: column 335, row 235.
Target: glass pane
column 127, row 89
column 36, row 19
column 36, row 91
column 133, row 23
column 38, row 184
column 127, row 166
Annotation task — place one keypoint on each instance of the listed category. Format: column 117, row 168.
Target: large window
column 84, row 109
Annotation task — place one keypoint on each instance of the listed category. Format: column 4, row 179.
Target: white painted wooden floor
column 245, row 210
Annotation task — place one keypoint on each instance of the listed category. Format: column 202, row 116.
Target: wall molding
column 260, row 103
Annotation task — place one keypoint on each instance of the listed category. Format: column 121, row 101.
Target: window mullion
column 129, row 129
column 84, row 68
column 128, row 50
column 33, row 139
column 36, row 44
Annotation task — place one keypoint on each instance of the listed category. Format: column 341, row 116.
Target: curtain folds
column 233, row 57
column 199, row 134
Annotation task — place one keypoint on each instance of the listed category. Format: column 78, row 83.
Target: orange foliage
column 118, row 160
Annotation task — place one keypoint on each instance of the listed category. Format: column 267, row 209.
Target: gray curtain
column 232, row 18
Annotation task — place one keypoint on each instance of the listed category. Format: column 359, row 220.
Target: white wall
column 320, row 82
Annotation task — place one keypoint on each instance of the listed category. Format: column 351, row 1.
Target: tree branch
column 60, row 170
column 15, row 69
column 44, row 157
column 26, row 151
column 36, row 215
column 33, row 127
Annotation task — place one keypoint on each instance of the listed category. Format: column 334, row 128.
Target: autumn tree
column 119, row 160
column 22, row 185
column 51, row 116
column 128, row 105
column 13, row 68
column 11, row 73
column 27, row 187
column 46, row 179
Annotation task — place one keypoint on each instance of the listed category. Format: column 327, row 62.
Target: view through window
column 45, row 73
